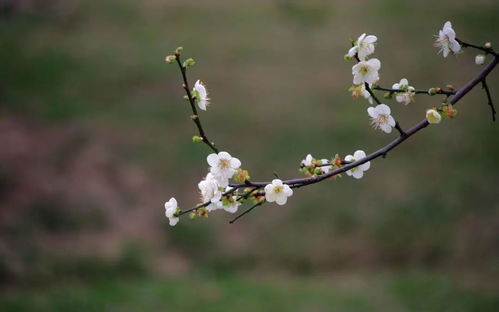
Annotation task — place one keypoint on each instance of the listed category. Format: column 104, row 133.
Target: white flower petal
column 370, row 39
column 270, row 196
column 277, row 182
column 235, row 163
column 386, row 128
column 372, row 112
column 375, row 63
column 383, row 109
column 281, row 200
column 173, row 221
column 365, row 166
column 359, row 154
column 391, row 121
column 358, row 174
column 212, row 159
column 224, row 155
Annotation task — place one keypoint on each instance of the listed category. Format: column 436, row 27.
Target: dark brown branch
column 489, row 98
column 195, row 116
column 300, row 182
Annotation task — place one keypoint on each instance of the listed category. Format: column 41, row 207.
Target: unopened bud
column 347, row 58
column 450, row 87
column 170, row 59
column 202, row 212
column 189, row 62
column 449, row 111
column 192, row 215
column 432, row 91
column 432, row 116
column 197, row 139
column 241, row 175
column 194, row 117
column 487, row 45
column 178, row 51
column 387, row 95
column 479, row 59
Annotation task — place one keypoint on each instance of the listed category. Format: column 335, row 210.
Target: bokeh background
column 95, row 137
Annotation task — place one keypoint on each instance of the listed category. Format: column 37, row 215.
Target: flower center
column 382, row 119
column 278, row 189
column 224, row 163
column 364, row 70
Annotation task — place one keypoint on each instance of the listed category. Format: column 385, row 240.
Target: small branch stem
column 195, row 116
column 483, row 49
column 415, row 91
column 246, row 211
column 402, row 132
column 371, row 93
column 489, row 98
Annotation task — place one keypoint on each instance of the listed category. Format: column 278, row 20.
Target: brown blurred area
column 95, row 137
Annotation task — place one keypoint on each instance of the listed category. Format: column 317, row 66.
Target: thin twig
column 246, row 211
column 489, row 98
column 402, row 132
column 483, row 49
column 195, row 116
column 371, row 93
column 439, row 91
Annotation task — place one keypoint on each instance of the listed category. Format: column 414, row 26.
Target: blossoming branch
column 227, row 185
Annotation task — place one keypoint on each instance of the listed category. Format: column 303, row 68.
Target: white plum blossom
column 446, row 40
column 170, row 210
column 404, row 97
column 307, row 161
column 325, row 169
column 381, row 118
column 433, row 116
column 201, row 95
column 357, row 172
column 366, row 71
column 210, row 192
column 277, row 192
column 479, row 59
column 363, row 47
column 223, row 166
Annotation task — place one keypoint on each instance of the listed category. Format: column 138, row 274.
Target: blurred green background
column 95, row 137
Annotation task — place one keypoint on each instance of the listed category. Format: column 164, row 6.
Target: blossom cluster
column 226, row 186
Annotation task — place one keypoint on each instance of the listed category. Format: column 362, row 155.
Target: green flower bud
column 197, row 139
column 432, row 91
column 178, row 51
column 347, row 58
column 192, row 215
column 189, row 62
column 170, row 59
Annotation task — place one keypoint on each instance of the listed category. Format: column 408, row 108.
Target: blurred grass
column 381, row 292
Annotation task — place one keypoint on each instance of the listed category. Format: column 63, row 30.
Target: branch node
column 400, row 130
